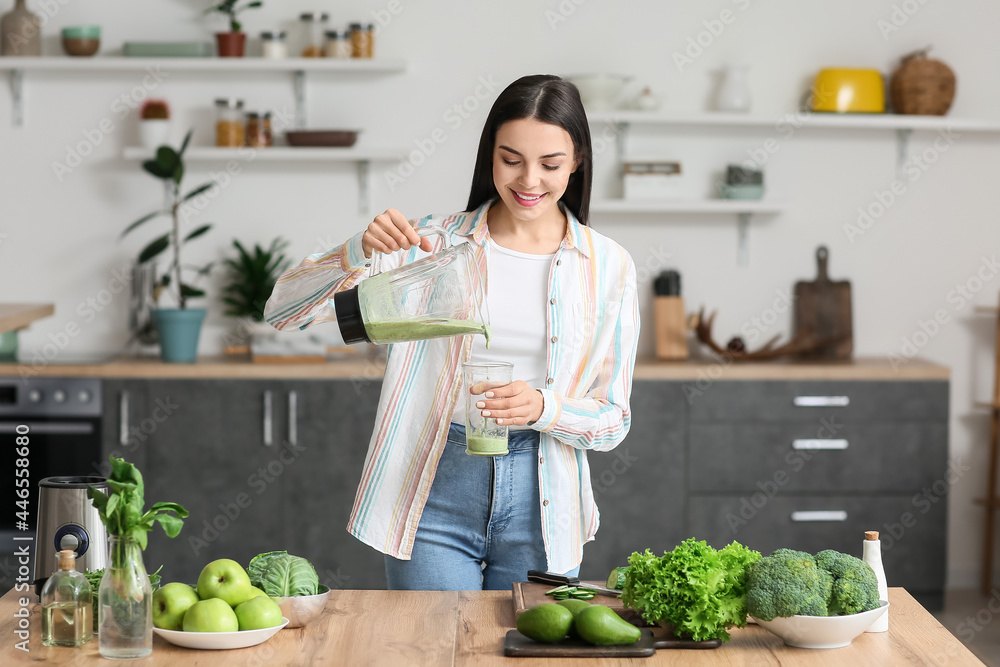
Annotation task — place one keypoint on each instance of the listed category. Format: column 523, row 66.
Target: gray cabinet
column 123, row 433
column 208, row 452
column 811, row 465
column 334, row 424
column 261, row 465
column 639, row 486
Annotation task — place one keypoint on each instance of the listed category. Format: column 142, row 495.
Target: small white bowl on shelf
column 220, row 640
column 823, row 631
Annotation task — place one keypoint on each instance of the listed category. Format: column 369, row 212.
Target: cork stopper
column 871, row 535
column 67, row 560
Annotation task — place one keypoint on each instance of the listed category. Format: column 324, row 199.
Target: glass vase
column 126, row 603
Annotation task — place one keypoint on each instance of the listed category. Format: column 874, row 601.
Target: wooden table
column 400, row 628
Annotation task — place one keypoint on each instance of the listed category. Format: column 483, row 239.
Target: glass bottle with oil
column 67, row 605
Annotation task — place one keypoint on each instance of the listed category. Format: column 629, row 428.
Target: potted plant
column 232, row 44
column 178, row 328
column 154, row 124
column 252, row 275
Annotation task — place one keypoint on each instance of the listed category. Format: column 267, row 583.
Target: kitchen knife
column 559, row 579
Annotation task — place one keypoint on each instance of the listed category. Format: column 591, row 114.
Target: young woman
column 563, row 308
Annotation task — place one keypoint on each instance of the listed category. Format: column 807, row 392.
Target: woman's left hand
column 513, row 404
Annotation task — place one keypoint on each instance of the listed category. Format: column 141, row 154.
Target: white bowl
column 301, row 609
column 599, row 92
column 823, row 631
column 220, row 640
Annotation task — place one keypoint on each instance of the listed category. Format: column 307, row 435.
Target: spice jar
column 229, row 130
column 258, row 134
column 273, row 45
column 313, row 29
column 338, row 44
column 266, row 131
column 362, row 40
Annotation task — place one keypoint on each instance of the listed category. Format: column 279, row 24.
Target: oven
column 61, row 418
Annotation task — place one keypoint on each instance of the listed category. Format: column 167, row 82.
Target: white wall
column 58, row 239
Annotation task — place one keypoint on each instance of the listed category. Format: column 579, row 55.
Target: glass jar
column 229, row 129
column 125, row 602
column 273, row 45
column 266, row 130
column 338, row 44
column 258, row 129
column 362, row 40
column 67, row 605
column 314, row 24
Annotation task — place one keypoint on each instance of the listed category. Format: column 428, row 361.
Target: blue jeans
column 481, row 528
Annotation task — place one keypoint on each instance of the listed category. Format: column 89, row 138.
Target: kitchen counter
column 467, row 628
column 19, row 315
column 873, row 368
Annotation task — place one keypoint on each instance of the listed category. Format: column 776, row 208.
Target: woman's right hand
column 391, row 231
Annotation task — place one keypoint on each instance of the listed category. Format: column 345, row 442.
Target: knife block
column 671, row 327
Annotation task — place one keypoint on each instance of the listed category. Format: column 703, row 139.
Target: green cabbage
column 280, row 574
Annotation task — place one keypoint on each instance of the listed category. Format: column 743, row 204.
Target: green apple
column 224, row 579
column 259, row 612
column 169, row 604
column 256, row 593
column 212, row 615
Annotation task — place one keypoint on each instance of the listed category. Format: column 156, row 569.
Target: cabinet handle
column 820, row 515
column 293, row 426
column 268, row 418
column 818, row 443
column 123, row 408
column 821, row 401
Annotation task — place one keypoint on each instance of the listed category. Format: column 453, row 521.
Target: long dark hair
column 548, row 99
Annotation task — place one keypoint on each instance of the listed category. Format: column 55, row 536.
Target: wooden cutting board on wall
column 823, row 307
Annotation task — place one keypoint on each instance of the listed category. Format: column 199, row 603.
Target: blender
column 440, row 295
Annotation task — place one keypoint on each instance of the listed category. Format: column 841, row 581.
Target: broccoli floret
column 855, row 588
column 787, row 583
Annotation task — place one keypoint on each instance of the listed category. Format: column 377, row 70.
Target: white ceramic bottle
column 872, row 554
column 734, row 92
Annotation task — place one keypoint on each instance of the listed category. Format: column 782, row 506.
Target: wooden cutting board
column 516, row 644
column 527, row 594
column 823, row 307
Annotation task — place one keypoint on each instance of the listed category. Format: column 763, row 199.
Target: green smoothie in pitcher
column 395, row 331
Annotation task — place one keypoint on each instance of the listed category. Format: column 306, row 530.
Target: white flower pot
column 154, row 132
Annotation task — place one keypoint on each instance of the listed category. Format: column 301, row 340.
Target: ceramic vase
column 154, row 132
column 20, row 32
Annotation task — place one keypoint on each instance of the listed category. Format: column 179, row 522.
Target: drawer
column 810, row 400
column 877, row 457
column 912, row 530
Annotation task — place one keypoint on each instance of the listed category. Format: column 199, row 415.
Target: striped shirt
column 592, row 326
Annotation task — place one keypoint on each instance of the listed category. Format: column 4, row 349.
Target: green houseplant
column 179, row 327
column 251, row 278
column 232, row 44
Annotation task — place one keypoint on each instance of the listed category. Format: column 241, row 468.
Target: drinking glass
column 483, row 436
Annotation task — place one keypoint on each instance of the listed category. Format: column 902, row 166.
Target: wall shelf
column 902, row 125
column 685, row 206
column 363, row 157
column 298, row 67
column 743, row 209
column 15, row 316
column 799, row 119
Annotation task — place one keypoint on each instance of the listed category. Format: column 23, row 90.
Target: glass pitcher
column 440, row 295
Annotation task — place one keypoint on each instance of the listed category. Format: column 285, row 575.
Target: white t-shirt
column 517, row 285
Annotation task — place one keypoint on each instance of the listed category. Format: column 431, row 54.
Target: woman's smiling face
column 532, row 163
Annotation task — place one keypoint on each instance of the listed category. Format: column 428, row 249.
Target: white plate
column 220, row 640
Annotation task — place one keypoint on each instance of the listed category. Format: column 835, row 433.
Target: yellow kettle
column 841, row 90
